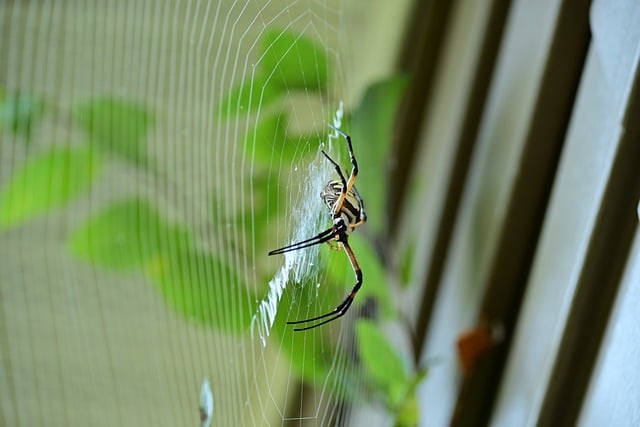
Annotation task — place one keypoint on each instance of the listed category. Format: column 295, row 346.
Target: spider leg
column 354, row 163
column 333, row 246
column 341, row 309
column 363, row 215
column 325, row 236
column 337, row 206
column 347, row 185
column 337, row 166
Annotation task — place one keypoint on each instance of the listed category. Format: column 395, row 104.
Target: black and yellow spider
column 347, row 211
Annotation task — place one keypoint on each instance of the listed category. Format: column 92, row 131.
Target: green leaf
column 125, row 235
column 408, row 410
column 381, row 361
column 19, row 112
column 249, row 96
column 267, row 139
column 45, row 182
column 312, row 364
column 131, row 235
column 406, row 264
column 408, row 413
column 296, row 147
column 372, row 131
column 266, row 195
column 265, row 205
column 116, row 126
column 269, row 144
column 201, row 287
column 312, row 354
column 293, row 61
column 374, row 278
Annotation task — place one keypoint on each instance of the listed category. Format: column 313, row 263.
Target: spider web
column 297, row 265
column 105, row 339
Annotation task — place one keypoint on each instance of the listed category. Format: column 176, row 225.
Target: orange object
column 475, row 343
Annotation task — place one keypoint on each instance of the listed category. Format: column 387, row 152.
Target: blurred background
column 153, row 152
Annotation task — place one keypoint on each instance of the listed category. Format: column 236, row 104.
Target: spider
column 347, row 211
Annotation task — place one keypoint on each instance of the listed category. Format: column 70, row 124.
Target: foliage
column 373, row 273
column 290, row 62
column 255, row 93
column 203, row 287
column 314, row 362
column 19, row 112
column 131, row 235
column 128, row 235
column 116, row 126
column 294, row 61
column 372, row 123
column 389, row 372
column 45, row 182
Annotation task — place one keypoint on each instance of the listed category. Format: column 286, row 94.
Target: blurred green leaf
column 202, row 287
column 406, row 264
column 19, row 112
column 294, row 61
column 126, row 235
column 116, row 126
column 381, row 361
column 267, row 138
column 298, row 146
column 374, row 278
column 266, row 195
column 312, row 355
column 408, row 410
column 269, row 144
column 265, row 205
column 131, row 235
column 372, row 127
column 408, row 413
column 249, row 96
column 45, row 182
column 311, row 364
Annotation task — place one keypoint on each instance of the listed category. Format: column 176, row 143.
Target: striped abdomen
column 352, row 207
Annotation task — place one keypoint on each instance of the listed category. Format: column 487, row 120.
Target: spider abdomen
column 352, row 207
